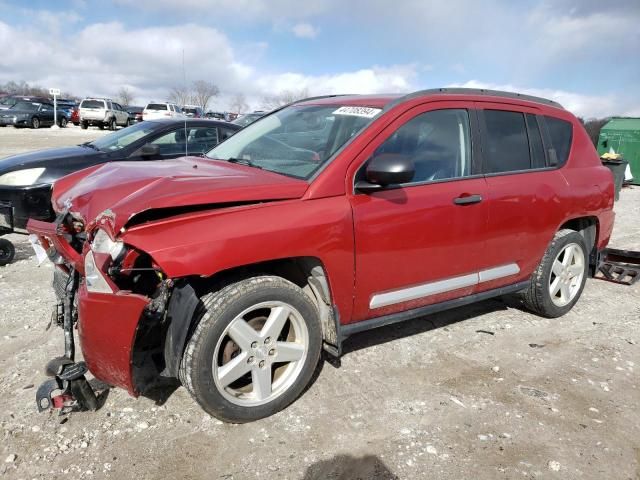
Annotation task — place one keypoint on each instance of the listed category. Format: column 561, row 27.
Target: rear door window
column 561, row 133
column 506, row 142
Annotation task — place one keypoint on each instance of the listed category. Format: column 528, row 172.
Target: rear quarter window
column 561, row 134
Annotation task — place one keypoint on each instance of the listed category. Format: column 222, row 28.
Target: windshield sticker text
column 366, row 112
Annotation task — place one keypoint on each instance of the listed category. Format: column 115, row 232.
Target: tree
column 125, row 96
column 203, row 92
column 593, row 127
column 269, row 102
column 238, row 104
column 180, row 95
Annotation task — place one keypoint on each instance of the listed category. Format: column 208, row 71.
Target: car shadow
column 24, row 251
column 425, row 323
column 348, row 467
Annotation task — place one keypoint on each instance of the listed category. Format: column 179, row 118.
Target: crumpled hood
column 118, row 191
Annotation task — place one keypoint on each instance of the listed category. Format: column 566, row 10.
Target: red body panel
column 367, row 243
column 107, row 327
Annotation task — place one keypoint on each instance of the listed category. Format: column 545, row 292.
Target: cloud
column 304, row 30
column 107, row 56
column 586, row 106
column 240, row 11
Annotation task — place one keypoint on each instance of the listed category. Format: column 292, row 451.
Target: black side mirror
column 150, row 150
column 387, row 169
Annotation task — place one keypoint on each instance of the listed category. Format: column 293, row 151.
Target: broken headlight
column 102, row 243
column 94, row 278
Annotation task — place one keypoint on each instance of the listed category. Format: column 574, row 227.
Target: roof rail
column 473, row 91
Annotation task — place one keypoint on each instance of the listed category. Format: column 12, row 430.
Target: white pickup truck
column 102, row 112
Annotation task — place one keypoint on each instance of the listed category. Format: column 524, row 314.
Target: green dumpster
column 622, row 135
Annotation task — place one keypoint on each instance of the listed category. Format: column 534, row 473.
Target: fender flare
column 180, row 311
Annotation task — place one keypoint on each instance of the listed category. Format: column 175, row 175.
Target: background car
column 135, row 113
column 248, row 118
column 193, row 111
column 102, row 112
column 26, row 179
column 162, row 110
column 10, row 100
column 32, row 115
column 216, row 115
column 66, row 105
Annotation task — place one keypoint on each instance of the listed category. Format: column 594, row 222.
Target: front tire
column 557, row 283
column 254, row 349
column 35, row 123
column 63, row 122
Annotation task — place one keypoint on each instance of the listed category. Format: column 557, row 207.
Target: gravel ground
column 487, row 391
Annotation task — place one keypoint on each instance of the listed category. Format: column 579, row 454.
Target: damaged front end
column 112, row 294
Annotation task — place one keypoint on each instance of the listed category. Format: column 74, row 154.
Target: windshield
column 125, row 137
column 26, row 106
column 297, row 140
column 246, row 119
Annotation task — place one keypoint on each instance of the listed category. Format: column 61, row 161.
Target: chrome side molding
column 384, row 299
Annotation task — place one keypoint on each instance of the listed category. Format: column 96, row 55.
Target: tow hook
column 68, row 390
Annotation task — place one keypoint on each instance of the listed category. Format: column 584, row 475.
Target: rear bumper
column 107, row 325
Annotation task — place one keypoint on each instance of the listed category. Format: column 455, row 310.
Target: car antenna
column 184, row 81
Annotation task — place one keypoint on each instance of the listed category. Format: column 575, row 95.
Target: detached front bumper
column 107, row 325
column 107, row 322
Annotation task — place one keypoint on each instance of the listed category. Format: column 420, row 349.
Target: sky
column 583, row 53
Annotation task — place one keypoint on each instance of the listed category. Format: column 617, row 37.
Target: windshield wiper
column 89, row 145
column 243, row 161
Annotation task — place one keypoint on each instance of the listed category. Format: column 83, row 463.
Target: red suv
column 327, row 217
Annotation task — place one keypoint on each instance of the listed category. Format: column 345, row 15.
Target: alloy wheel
column 260, row 354
column 567, row 272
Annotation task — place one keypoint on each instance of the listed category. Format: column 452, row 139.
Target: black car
column 32, row 115
column 26, row 179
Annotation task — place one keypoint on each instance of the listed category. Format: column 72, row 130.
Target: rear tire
column 254, row 350
column 113, row 125
column 7, row 252
column 101, row 126
column 84, row 125
column 557, row 283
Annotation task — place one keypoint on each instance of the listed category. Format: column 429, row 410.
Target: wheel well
column 308, row 273
column 588, row 227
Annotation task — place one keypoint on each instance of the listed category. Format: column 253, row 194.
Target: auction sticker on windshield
column 367, row 112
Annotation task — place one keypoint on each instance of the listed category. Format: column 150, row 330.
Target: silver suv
column 102, row 112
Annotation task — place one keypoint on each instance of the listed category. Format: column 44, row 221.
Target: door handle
column 467, row 199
